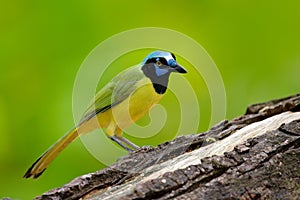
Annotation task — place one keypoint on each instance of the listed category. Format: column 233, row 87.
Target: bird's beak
column 178, row 68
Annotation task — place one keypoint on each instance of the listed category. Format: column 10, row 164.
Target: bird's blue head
column 163, row 62
column 158, row 66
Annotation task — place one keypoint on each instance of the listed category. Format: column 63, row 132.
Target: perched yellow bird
column 125, row 99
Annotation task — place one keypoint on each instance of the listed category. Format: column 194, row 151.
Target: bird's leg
column 131, row 144
column 119, row 142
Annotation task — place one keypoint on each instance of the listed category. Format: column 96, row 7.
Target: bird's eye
column 158, row 63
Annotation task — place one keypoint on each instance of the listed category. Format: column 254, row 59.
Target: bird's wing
column 114, row 92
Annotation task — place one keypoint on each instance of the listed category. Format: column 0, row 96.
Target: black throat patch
column 160, row 83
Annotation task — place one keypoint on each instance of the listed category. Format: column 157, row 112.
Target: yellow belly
column 125, row 113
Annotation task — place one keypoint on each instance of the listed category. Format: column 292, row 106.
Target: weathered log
column 254, row 156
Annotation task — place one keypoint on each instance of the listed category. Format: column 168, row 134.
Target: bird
column 126, row 98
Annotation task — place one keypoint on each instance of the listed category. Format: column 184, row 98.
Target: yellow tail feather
column 39, row 166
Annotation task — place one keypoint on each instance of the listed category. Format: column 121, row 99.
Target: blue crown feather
column 155, row 54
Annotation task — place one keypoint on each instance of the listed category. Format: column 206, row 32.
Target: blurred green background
column 255, row 44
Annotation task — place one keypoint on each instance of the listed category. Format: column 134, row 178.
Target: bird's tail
column 39, row 166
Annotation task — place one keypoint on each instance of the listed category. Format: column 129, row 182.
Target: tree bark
column 254, row 156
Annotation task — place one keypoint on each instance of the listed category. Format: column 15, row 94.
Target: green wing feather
column 114, row 92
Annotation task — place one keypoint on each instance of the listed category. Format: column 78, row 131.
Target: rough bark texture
column 265, row 166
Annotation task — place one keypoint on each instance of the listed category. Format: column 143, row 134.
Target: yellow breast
column 127, row 112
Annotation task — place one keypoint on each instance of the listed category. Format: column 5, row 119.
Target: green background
column 255, row 44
